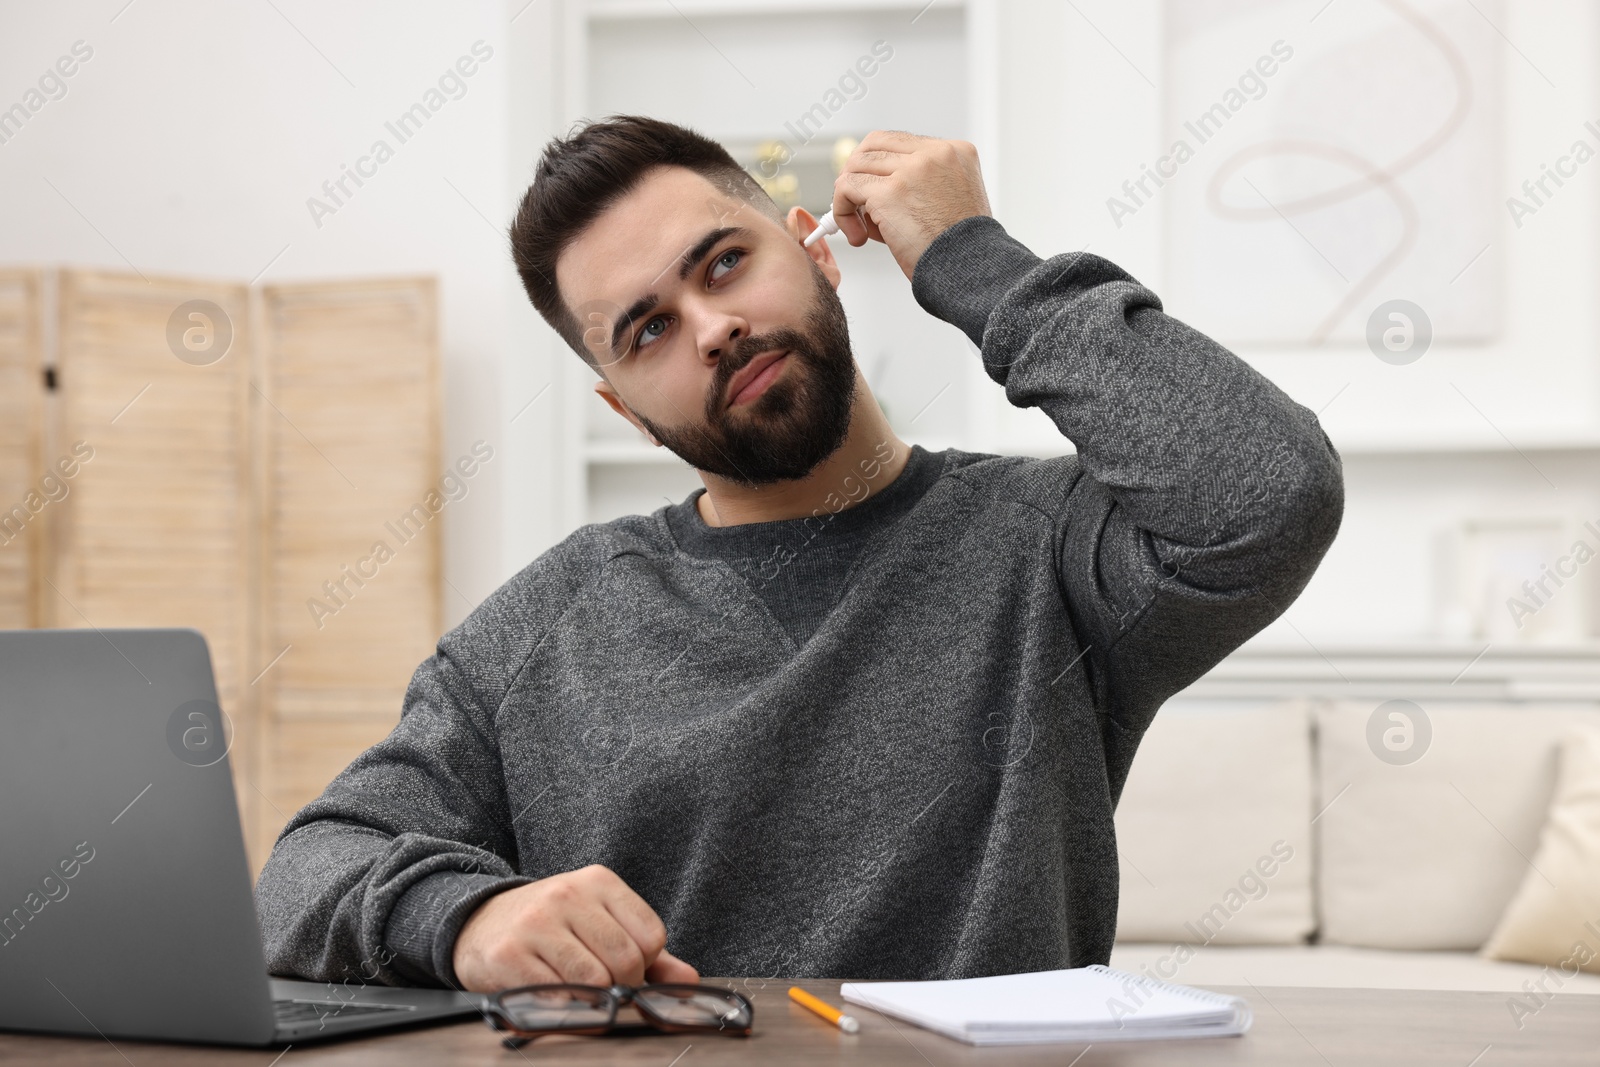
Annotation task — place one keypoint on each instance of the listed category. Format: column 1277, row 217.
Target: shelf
column 1441, row 671
column 1559, row 441
column 1047, row 441
column 654, row 9
column 628, row 452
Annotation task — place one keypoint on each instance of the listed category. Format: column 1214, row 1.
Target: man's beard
column 797, row 422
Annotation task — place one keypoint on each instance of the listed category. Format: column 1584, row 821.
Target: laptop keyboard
column 294, row 1012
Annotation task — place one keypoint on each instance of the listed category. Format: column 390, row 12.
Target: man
column 854, row 709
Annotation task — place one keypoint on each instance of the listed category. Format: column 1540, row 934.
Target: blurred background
column 268, row 370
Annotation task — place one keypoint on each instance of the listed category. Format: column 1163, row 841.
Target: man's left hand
column 904, row 190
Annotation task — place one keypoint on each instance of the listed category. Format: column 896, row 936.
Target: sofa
column 1362, row 822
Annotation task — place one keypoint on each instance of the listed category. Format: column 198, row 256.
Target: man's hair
column 579, row 178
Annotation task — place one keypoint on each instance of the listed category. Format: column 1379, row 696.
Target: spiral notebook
column 1088, row 1004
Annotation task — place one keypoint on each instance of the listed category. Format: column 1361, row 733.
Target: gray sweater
column 798, row 567
column 919, row 781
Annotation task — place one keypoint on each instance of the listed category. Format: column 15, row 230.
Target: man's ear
column 609, row 395
column 800, row 222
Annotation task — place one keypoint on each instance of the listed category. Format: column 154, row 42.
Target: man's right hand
column 585, row 926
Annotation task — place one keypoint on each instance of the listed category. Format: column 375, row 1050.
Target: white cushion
column 1426, row 854
column 1554, row 918
column 1340, row 967
column 1214, row 826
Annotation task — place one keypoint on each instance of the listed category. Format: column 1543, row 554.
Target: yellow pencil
column 827, row 1011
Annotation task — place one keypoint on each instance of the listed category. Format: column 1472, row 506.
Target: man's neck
column 859, row 463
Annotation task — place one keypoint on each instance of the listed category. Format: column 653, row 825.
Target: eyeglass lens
column 557, row 1008
column 563, row 1007
column 688, row 1006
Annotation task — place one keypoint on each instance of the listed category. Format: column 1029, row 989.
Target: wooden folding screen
column 237, row 457
column 24, row 495
column 152, row 401
column 353, row 509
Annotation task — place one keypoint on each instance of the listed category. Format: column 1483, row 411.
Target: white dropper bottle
column 826, row 227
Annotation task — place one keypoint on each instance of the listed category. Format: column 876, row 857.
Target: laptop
column 126, row 907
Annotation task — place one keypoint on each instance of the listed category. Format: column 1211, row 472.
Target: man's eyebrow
column 686, row 263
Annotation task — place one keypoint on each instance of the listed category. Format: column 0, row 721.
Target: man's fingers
column 622, row 956
column 669, row 968
column 852, row 192
column 511, row 962
column 880, row 154
column 571, row 959
column 851, row 224
column 529, row 969
column 891, row 141
column 633, row 913
column 884, row 163
column 863, row 230
column 586, row 926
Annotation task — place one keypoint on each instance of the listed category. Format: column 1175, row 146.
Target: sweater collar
column 753, row 539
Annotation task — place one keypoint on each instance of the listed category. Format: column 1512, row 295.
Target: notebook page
column 1079, row 998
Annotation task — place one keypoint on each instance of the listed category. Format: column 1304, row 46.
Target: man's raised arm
column 1204, row 496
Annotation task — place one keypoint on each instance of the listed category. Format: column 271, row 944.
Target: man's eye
column 640, row 341
column 646, row 338
column 737, row 253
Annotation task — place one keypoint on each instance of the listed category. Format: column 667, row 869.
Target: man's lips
column 753, row 370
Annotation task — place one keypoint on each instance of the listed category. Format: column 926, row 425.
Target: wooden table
column 1327, row 1027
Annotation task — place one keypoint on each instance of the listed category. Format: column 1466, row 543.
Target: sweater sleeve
column 372, row 881
column 1204, row 496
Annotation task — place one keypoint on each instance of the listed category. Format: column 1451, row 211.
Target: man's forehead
column 635, row 244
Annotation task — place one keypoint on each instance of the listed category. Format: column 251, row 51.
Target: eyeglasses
column 532, row 1010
